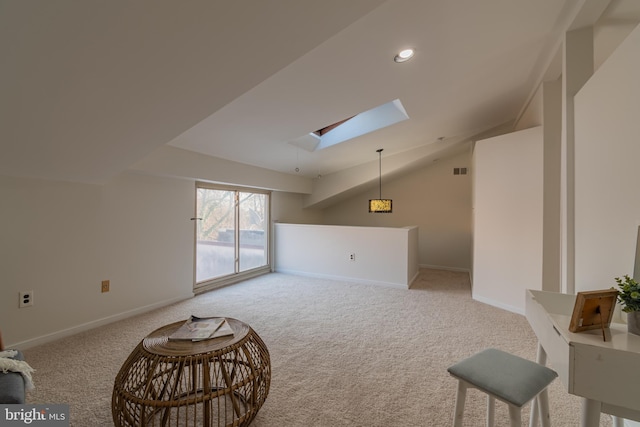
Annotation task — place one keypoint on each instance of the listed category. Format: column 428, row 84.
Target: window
column 232, row 238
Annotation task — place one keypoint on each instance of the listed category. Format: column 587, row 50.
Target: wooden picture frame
column 593, row 310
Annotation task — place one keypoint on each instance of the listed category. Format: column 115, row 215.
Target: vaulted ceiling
column 89, row 87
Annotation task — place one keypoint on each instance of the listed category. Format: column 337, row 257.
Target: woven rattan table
column 216, row 382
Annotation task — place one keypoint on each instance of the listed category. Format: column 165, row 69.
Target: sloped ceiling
column 90, row 88
column 471, row 72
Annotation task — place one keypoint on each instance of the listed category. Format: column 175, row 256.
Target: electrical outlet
column 352, row 257
column 105, row 286
column 26, row 299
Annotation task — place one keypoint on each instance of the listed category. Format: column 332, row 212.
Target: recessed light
column 404, row 55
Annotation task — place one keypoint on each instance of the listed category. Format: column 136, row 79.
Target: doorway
column 232, row 235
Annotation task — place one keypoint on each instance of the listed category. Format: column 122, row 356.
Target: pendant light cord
column 380, row 171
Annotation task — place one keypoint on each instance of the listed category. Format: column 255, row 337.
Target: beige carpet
column 342, row 353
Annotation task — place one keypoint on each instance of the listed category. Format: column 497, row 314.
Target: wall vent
column 459, row 171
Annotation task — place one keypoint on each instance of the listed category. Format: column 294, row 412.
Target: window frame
column 236, row 276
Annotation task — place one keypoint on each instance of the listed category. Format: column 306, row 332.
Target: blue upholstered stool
column 503, row 376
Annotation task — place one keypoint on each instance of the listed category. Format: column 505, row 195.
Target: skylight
column 377, row 118
column 361, row 124
column 326, row 129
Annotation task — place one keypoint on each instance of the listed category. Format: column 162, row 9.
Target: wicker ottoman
column 217, row 382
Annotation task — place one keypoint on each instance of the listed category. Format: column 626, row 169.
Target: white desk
column 605, row 374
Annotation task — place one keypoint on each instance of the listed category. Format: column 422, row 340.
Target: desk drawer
column 607, row 375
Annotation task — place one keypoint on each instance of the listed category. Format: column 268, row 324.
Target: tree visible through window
column 231, row 235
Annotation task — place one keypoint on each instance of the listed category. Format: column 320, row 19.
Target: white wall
column 382, row 255
column 62, row 239
column 607, row 153
column 507, row 253
column 178, row 163
column 607, row 112
column 532, row 116
column 433, row 199
column 288, row 207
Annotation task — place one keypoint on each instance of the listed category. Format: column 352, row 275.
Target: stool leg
column 515, row 416
column 541, row 358
column 543, row 407
column 460, row 398
column 491, row 410
column 535, row 413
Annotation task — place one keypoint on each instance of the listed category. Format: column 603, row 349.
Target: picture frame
column 593, row 310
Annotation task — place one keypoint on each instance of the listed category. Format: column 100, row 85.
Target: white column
column 577, row 68
column 551, row 219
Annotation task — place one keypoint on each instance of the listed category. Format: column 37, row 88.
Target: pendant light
column 380, row 205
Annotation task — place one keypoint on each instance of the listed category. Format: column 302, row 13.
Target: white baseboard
column 457, row 269
column 498, row 304
column 342, row 278
column 413, row 279
column 442, row 267
column 93, row 324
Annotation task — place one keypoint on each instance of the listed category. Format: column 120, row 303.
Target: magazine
column 198, row 329
column 223, row 331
